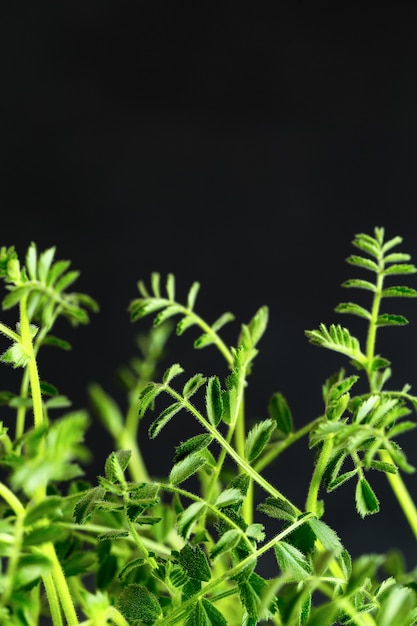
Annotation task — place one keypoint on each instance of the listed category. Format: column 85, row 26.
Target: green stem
column 237, row 429
column 24, row 386
column 35, row 387
column 312, row 497
column 12, row 500
column 61, row 586
column 53, row 600
column 400, row 490
column 402, row 494
column 372, row 328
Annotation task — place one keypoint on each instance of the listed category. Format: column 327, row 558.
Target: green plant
column 128, row 548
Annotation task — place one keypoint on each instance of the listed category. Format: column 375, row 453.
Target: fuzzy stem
column 53, row 600
column 402, row 494
column 61, row 586
column 311, row 503
column 32, row 364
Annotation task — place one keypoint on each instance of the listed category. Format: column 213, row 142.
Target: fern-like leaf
column 338, row 339
column 44, row 283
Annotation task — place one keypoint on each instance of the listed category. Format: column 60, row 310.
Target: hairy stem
column 312, row 497
column 402, row 494
column 32, row 364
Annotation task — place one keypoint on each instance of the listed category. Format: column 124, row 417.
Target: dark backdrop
column 241, row 146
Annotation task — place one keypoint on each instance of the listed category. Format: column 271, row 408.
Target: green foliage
column 128, row 548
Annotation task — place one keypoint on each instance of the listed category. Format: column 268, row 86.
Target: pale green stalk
column 400, row 490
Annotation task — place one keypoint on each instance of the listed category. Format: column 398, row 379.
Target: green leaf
column 354, row 309
column 192, row 385
column 401, row 268
column 334, row 483
column 186, row 468
column 141, row 307
column 256, row 327
column 170, row 287
column 360, row 284
column 17, row 355
column 204, row 340
column 280, row 412
column 63, row 445
column 388, row 319
column 195, row 563
column 115, row 465
column 336, row 408
column 258, row 438
column 192, row 295
column 399, row 292
column 50, row 340
column 229, row 497
column 194, row 444
column 136, row 602
column 256, row 531
column 184, row 323
column 398, row 607
column 44, row 534
column 173, row 371
column 15, row 296
column 161, row 421
column 111, row 535
column 130, row 567
column 189, row 516
column 50, row 507
column 365, row 408
column 391, row 243
column 366, row 501
column 86, row 504
column 278, row 508
column 253, row 591
column 155, row 284
column 147, row 397
column 197, row 616
column 215, row 618
column 56, row 271
column 58, row 402
column 402, row 427
column 338, row 339
column 363, row 568
column 326, row 535
column 32, row 261
column 292, row 561
column 166, row 313
column 381, row 466
column 227, row 542
column 109, row 412
column 367, row 244
column 44, row 263
column 362, row 262
column 221, row 321
column 396, row 257
column 47, row 389
column 214, row 400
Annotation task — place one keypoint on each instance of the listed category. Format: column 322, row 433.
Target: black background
column 240, row 146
